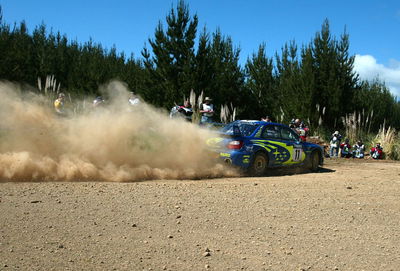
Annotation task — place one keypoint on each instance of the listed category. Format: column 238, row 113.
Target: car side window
column 288, row 134
column 271, row 132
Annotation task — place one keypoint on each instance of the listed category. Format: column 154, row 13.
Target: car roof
column 259, row 122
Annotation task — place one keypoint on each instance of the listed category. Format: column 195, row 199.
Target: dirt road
column 343, row 218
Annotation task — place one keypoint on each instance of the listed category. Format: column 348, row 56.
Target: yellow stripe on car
column 269, row 146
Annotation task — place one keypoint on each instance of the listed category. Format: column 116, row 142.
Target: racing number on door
column 297, row 154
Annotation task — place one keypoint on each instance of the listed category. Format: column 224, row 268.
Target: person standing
column 300, row 128
column 334, row 144
column 133, row 99
column 266, row 119
column 207, row 111
column 59, row 104
column 98, row 102
column 183, row 111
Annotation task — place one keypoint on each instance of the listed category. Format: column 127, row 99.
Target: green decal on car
column 213, row 142
column 282, row 152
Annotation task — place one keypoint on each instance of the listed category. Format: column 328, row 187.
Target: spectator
column 377, row 151
column 358, row 150
column 266, row 119
column 300, row 128
column 292, row 124
column 99, row 101
column 345, row 149
column 207, row 111
column 184, row 111
column 334, row 144
column 59, row 104
column 133, row 99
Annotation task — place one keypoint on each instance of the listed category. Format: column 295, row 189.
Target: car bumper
column 235, row 158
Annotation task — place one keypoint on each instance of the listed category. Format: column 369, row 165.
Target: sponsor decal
column 214, row 142
column 283, row 153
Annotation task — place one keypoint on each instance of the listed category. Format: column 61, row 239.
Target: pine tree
column 172, row 63
column 227, row 78
column 260, row 84
column 289, row 83
column 307, row 86
column 348, row 77
column 203, row 72
column 334, row 76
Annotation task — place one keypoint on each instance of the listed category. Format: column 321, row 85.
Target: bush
column 390, row 142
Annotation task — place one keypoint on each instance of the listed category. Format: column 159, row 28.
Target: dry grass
column 228, row 113
column 357, row 125
column 196, row 105
column 51, row 89
column 390, row 142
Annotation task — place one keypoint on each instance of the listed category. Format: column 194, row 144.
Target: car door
column 271, row 142
column 293, row 145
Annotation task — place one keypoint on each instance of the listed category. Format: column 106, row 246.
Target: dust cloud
column 114, row 142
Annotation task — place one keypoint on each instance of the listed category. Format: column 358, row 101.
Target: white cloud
column 368, row 69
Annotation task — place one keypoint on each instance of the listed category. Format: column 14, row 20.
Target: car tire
column 259, row 165
column 314, row 161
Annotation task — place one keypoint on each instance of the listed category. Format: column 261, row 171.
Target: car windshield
column 288, row 134
column 246, row 129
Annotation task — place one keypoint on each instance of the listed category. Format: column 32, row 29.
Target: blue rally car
column 258, row 145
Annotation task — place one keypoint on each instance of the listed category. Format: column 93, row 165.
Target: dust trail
column 116, row 142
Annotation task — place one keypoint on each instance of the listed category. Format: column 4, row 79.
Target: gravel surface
column 345, row 217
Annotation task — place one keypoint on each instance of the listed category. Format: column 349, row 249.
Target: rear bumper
column 235, row 158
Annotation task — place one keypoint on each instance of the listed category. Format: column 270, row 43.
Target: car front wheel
column 314, row 161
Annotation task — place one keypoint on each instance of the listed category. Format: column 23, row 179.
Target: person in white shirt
column 334, row 144
column 358, row 150
column 207, row 111
column 133, row 99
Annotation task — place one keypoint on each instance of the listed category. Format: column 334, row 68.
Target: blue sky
column 373, row 26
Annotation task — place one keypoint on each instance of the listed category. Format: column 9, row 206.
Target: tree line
column 315, row 82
